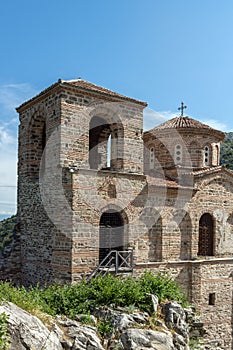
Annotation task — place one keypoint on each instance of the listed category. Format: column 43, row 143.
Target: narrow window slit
column 212, row 298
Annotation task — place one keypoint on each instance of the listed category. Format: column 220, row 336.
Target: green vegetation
column 226, row 154
column 6, row 231
column 4, row 337
column 84, row 297
column 194, row 343
column 105, row 327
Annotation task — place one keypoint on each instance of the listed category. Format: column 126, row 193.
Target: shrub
column 163, row 286
column 84, row 297
column 28, row 300
column 4, row 337
column 105, row 327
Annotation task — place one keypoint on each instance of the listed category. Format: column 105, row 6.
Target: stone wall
column 208, row 285
column 215, row 300
column 57, row 224
column 45, row 249
column 77, row 111
column 214, row 196
column 91, row 199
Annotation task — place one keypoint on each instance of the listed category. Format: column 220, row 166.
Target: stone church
column 95, row 192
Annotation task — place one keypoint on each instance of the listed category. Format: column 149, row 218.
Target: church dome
column 185, row 142
column 185, row 123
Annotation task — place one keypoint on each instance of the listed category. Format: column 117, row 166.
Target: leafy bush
column 28, row 300
column 4, row 337
column 84, row 297
column 163, row 286
column 86, row 319
column 105, row 327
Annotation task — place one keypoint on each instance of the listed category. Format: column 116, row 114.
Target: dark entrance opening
column 206, row 236
column 111, row 233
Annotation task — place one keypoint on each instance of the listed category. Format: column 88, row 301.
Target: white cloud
column 6, row 138
column 154, row 118
column 216, row 124
column 11, row 96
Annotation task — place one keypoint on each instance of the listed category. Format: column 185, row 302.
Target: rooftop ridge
column 83, row 85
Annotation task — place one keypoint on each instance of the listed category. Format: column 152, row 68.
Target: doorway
column 111, row 233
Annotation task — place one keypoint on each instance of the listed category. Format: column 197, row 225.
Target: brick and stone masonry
column 90, row 181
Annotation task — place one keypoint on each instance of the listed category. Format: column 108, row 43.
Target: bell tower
column 75, row 140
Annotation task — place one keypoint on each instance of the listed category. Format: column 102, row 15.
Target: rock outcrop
column 120, row 330
column 27, row 331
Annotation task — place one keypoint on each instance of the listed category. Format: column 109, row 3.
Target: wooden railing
column 114, row 262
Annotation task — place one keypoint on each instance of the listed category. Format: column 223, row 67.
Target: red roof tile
column 87, row 86
column 186, row 122
column 182, row 122
column 84, row 86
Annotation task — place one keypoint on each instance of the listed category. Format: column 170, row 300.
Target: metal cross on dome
column 182, row 109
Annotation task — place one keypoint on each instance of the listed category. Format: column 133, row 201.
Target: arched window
column 206, row 236
column 152, row 158
column 207, row 155
column 99, row 131
column 178, row 154
column 105, row 150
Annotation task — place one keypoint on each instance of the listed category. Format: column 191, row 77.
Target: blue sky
column 159, row 51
